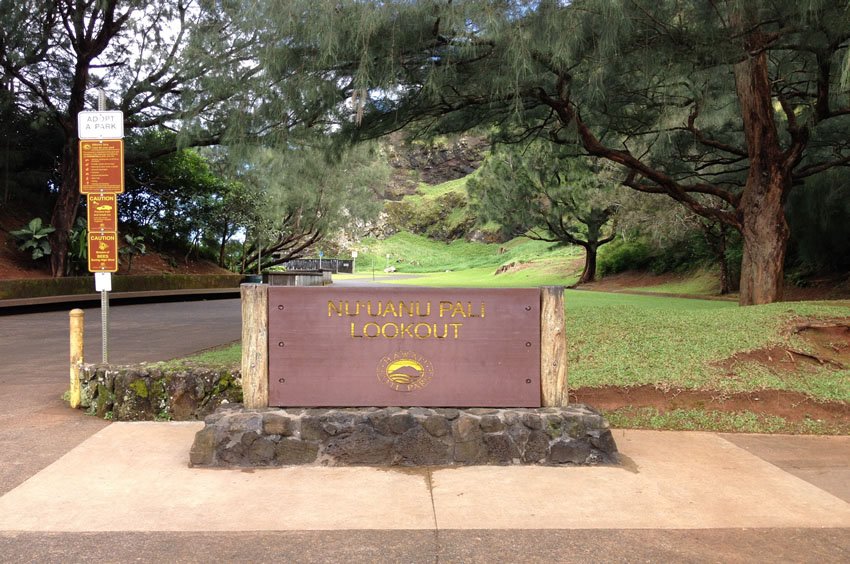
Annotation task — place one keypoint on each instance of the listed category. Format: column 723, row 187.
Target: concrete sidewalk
column 134, row 477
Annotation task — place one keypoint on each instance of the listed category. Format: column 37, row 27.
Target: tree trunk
column 65, row 209
column 763, row 225
column 718, row 242
column 725, row 277
column 68, row 199
column 765, row 233
column 225, row 235
column 589, row 273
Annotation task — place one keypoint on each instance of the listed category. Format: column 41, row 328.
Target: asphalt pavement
column 36, row 427
column 77, row 489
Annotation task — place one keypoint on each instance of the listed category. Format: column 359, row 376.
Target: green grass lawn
column 702, row 283
column 630, row 340
column 411, row 253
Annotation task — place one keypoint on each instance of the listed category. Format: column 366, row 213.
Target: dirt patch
column 512, row 267
column 566, row 268
column 792, row 406
column 825, row 344
column 830, row 341
column 832, row 287
column 163, row 263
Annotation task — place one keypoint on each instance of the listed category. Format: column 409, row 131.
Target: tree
column 28, row 146
column 547, row 198
column 307, row 195
column 723, row 106
column 165, row 64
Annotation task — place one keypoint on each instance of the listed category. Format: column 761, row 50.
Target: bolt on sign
column 395, row 346
column 101, row 166
column 102, row 212
column 103, row 252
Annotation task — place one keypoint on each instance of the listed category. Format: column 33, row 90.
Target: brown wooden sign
column 402, row 347
column 102, row 212
column 101, row 166
column 103, row 252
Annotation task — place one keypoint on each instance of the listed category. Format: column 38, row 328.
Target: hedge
column 70, row 286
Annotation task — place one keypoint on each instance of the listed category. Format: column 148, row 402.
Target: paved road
column 37, row 430
column 35, row 426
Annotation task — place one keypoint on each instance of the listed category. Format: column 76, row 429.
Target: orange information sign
column 103, row 252
column 101, row 166
column 102, row 212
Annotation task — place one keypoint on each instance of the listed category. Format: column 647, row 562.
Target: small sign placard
column 102, row 212
column 101, row 166
column 100, row 125
column 103, row 281
column 103, row 252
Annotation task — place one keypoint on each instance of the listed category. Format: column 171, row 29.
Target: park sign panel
column 100, row 125
column 103, row 252
column 337, row 347
column 101, row 166
column 102, row 212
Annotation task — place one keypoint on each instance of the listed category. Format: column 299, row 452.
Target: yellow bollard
column 77, row 317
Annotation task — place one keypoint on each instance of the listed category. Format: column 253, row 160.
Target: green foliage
column 819, row 216
column 687, row 252
column 175, row 201
column 542, row 188
column 29, row 144
column 33, row 238
column 307, row 193
column 625, row 254
column 73, row 285
column 199, row 76
column 134, row 245
column 78, row 248
column 439, row 212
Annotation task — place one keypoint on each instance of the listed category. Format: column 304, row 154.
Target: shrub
column 33, row 237
column 621, row 255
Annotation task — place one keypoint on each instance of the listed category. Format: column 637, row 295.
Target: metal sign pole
column 104, row 293
column 104, row 325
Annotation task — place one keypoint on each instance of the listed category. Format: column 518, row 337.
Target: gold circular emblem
column 405, row 371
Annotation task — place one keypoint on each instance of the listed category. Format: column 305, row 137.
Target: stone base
column 392, row 436
column 157, row 392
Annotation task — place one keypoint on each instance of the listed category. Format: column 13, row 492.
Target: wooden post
column 255, row 345
column 553, row 348
column 77, row 318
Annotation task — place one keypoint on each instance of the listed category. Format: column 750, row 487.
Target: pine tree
column 532, row 192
